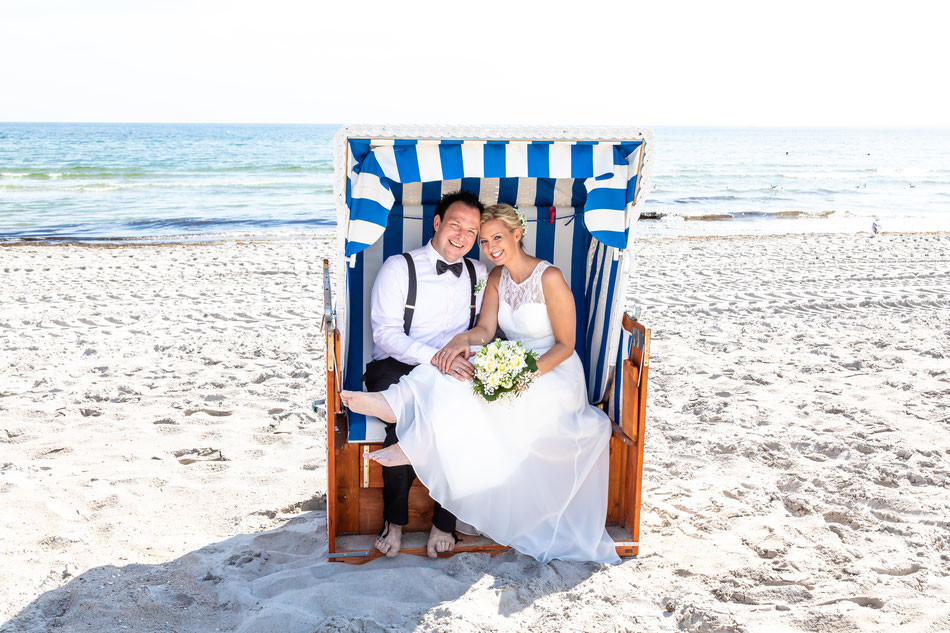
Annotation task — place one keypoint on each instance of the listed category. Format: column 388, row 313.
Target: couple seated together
column 531, row 472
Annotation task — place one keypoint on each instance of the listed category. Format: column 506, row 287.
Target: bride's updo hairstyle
column 511, row 218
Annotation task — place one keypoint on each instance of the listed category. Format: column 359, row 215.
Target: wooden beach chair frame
column 354, row 486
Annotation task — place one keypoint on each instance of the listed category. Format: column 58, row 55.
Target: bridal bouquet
column 503, row 369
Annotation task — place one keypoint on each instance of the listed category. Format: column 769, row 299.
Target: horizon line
column 876, row 126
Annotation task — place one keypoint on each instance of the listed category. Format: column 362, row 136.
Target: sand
column 161, row 468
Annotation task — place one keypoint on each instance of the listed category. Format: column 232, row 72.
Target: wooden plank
column 491, row 550
column 360, row 547
column 615, row 488
column 371, row 510
column 630, row 400
column 348, row 489
column 636, row 472
column 332, row 343
column 629, row 424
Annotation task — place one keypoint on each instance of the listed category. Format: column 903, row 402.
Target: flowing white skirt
column 532, row 475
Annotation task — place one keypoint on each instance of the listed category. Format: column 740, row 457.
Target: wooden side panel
column 371, row 510
column 348, row 489
column 634, row 426
column 615, row 491
column 629, row 425
column 332, row 408
column 631, row 401
column 636, row 474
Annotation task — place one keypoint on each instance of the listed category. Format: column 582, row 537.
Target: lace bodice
column 522, row 312
column 528, row 291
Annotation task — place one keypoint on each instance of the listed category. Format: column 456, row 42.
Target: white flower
column 523, row 220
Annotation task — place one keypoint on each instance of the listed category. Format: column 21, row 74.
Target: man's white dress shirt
column 442, row 306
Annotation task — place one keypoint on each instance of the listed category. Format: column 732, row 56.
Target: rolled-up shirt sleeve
column 387, row 308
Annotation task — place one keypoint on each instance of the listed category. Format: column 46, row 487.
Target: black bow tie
column 441, row 267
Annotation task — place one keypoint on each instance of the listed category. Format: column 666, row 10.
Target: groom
column 420, row 300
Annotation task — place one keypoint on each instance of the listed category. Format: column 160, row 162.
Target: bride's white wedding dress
column 532, row 475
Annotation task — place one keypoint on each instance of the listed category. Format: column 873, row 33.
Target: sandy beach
column 161, row 468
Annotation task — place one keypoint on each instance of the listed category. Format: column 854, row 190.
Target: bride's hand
column 458, row 346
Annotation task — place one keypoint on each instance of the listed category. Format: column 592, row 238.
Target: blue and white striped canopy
column 609, row 172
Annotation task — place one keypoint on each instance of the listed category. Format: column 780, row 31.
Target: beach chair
column 582, row 191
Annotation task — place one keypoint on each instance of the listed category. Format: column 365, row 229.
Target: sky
column 662, row 62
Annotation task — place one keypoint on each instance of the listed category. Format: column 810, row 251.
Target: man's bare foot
column 390, row 539
column 439, row 542
column 368, row 403
column 389, row 456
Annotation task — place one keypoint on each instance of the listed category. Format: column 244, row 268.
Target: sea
column 180, row 182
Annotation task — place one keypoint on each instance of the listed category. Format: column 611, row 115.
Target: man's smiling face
column 455, row 234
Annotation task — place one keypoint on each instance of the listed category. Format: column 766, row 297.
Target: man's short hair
column 465, row 197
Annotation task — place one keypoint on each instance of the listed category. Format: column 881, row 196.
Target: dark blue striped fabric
column 607, row 170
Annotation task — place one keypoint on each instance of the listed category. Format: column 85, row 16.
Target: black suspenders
column 471, row 277
column 411, row 294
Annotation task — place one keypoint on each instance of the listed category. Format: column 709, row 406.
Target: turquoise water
column 778, row 180
column 90, row 181
column 128, row 180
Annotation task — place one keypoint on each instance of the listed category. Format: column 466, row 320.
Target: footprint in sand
column 864, row 601
column 212, row 412
column 898, row 571
column 192, row 455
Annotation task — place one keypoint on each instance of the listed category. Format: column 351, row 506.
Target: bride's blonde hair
column 509, row 216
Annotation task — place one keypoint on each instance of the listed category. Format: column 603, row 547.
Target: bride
column 531, row 474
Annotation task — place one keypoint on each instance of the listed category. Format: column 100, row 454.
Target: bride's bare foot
column 368, row 403
column 389, row 456
column 390, row 539
column 439, row 541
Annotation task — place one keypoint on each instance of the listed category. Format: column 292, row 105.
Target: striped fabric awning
column 609, row 171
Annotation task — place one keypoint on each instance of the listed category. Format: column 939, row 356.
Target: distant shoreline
column 205, row 240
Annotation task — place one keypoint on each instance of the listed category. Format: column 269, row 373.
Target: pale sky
column 582, row 62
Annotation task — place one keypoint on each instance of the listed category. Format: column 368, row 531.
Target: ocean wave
column 757, row 215
column 692, row 199
column 104, row 173
column 74, row 172
column 116, row 186
column 165, row 227
column 262, row 167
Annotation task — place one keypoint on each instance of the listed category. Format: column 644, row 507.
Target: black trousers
column 380, row 375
